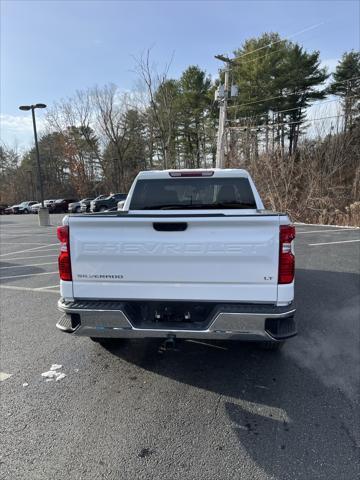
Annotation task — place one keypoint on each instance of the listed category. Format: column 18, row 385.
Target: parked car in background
column 9, row 210
column 102, row 204
column 23, row 207
column 85, row 204
column 62, row 205
column 35, row 207
column 120, row 205
column 76, row 206
column 47, row 203
column 3, row 207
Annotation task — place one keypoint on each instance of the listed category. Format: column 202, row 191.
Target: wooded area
column 293, row 126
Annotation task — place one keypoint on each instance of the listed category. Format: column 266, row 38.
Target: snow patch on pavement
column 55, row 366
column 4, row 376
column 53, row 373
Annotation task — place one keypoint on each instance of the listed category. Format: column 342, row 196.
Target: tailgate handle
column 170, row 226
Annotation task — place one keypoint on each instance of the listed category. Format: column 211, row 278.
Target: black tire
column 102, row 209
column 77, row 209
column 26, row 210
column 271, row 346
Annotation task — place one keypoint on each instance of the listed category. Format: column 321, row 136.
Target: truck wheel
column 273, row 346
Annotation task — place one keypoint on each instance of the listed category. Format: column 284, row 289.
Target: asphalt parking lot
column 207, row 410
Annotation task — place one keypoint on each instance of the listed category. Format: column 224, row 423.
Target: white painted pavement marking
column 15, row 231
column 325, row 231
column 27, row 289
column 4, row 376
column 301, row 224
column 29, row 275
column 51, row 286
column 29, row 249
column 333, row 243
column 28, row 234
column 23, row 243
column 207, row 344
column 30, row 258
column 32, row 265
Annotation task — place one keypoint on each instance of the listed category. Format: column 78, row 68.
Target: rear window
column 192, row 193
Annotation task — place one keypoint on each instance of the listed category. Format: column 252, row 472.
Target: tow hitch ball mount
column 168, row 344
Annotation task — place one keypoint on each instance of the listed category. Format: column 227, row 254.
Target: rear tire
column 102, row 209
column 77, row 210
column 271, row 346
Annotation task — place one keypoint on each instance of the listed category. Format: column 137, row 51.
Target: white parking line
column 32, row 265
column 332, row 243
column 29, row 249
column 29, row 275
column 51, row 286
column 23, row 243
column 30, row 258
column 12, row 231
column 26, row 289
column 25, row 225
column 301, row 224
column 28, row 234
column 332, row 231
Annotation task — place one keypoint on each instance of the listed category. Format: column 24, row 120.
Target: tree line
column 97, row 140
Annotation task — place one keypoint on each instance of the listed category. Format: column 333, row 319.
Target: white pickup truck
column 192, row 254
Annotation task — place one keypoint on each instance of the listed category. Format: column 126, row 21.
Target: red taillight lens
column 64, row 256
column 63, row 234
column 196, row 173
column 286, row 257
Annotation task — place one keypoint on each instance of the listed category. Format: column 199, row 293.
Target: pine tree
column 301, row 87
column 276, row 75
column 194, row 104
column 346, row 84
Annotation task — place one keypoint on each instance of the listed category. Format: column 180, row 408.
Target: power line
column 283, row 96
column 262, row 56
column 292, row 109
column 278, row 41
column 264, row 100
column 271, row 125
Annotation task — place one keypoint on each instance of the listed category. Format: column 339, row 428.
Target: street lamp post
column 43, row 211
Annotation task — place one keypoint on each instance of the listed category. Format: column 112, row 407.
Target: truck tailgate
column 209, row 257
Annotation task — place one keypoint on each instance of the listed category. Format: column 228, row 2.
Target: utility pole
column 220, row 148
column 38, row 157
column 43, row 211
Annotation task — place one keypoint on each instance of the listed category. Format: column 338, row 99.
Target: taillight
column 64, row 256
column 286, row 256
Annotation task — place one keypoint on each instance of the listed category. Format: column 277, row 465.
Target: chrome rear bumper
column 236, row 322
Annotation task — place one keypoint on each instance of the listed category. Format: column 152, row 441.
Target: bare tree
column 111, row 117
column 161, row 94
column 74, row 118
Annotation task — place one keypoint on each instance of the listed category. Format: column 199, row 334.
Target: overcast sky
column 49, row 49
